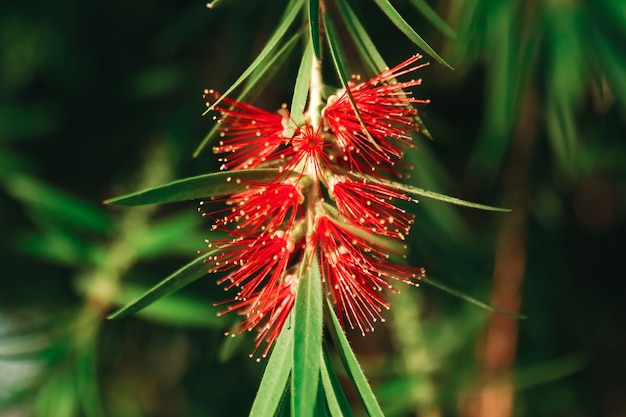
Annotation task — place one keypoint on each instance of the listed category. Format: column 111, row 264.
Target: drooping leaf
column 308, row 320
column 276, row 375
column 352, row 365
column 336, row 400
column 201, row 186
column 469, row 298
column 180, row 278
column 397, row 19
column 432, row 16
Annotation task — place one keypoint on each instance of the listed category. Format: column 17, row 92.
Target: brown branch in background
column 493, row 395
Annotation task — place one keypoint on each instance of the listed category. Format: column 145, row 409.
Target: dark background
column 102, row 98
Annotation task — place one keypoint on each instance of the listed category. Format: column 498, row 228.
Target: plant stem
column 315, row 93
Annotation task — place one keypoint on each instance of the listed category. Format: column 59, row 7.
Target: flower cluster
column 331, row 199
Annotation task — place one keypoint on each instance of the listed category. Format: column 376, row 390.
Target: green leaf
column 405, row 28
column 257, row 80
column 428, row 12
column 276, row 375
column 301, row 89
column 338, row 404
column 175, row 309
column 59, row 204
column 436, row 196
column 363, row 42
column 352, row 365
column 289, row 16
column 262, row 75
column 182, row 277
column 314, row 26
column 202, row 186
column 469, row 298
column 307, row 331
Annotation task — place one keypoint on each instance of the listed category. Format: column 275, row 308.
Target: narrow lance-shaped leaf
column 338, row 404
column 435, row 196
column 469, row 298
column 314, row 26
column 308, row 320
column 352, row 365
column 182, row 277
column 201, row 186
column 405, row 28
column 276, row 375
column 256, row 82
column 262, row 75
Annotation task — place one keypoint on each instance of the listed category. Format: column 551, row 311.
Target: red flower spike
column 268, row 223
column 250, row 134
column 386, row 111
column 264, row 208
column 356, row 272
column 257, row 267
column 251, row 262
column 369, row 206
column 307, row 148
column 267, row 313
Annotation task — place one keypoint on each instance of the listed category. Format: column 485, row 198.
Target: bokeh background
column 98, row 99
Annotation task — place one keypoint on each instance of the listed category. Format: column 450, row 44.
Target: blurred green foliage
column 99, row 99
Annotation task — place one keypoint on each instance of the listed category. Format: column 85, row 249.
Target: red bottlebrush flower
column 250, row 134
column 306, row 149
column 386, row 111
column 370, row 206
column 250, row 262
column 262, row 208
column 267, row 312
column 274, row 227
column 256, row 266
column 356, row 272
